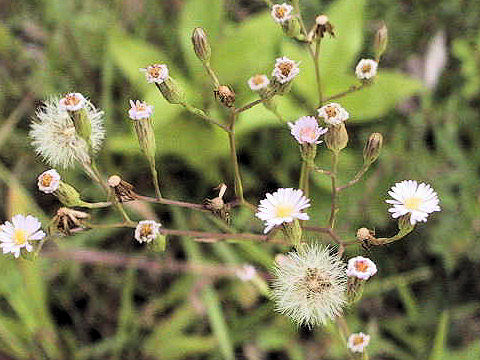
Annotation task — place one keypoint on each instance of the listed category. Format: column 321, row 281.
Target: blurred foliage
column 424, row 302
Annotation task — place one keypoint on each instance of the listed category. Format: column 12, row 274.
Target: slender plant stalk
column 153, row 171
column 350, row 90
column 334, row 209
column 356, row 179
column 234, row 159
column 304, row 178
column 316, row 59
column 211, row 73
column 200, row 113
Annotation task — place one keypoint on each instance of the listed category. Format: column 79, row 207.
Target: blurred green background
column 423, row 304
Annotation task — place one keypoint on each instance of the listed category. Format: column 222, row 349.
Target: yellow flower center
column 46, row 180
column 361, row 266
column 413, row 203
column 280, row 12
column 284, row 211
column 357, row 340
column 331, row 111
column 141, row 107
column 258, row 79
column 154, row 71
column 366, row 68
column 19, row 237
column 71, row 100
column 146, row 230
column 285, row 68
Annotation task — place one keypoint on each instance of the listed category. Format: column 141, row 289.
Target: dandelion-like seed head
column 54, row 136
column 18, row 234
column 358, row 342
column 48, row 181
column 306, row 130
column 361, row 267
column 281, row 13
column 147, row 230
column 156, row 73
column 333, row 114
column 409, row 197
column 309, row 285
column 258, row 82
column 285, row 70
column 140, row 110
column 366, row 69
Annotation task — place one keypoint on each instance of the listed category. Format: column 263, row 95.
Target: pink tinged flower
column 18, row 234
column 306, row 130
column 48, row 181
column 283, row 206
column 140, row 110
column 258, row 82
column 361, row 267
column 246, row 272
column 156, row 73
column 409, row 197
column 285, row 70
column 358, row 342
column 72, row 102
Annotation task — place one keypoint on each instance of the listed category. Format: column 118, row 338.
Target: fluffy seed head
column 306, row 130
column 361, row 267
column 48, row 181
column 309, row 285
column 366, row 69
column 358, row 342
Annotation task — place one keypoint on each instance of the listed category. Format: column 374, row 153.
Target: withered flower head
column 123, row 190
column 69, row 220
column 225, row 95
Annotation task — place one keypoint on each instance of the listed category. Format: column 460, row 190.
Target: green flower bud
column 372, row 148
column 201, row 44
column 336, row 138
column 380, row 41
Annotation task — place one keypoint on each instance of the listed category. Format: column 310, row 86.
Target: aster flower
column 361, row 268
column 258, row 82
column 333, row 114
column 147, row 231
column 246, row 273
column 366, row 69
column 55, row 139
column 409, row 197
column 306, row 130
column 309, row 285
column 285, row 70
column 281, row 13
column 140, row 110
column 48, row 181
column 156, row 73
column 283, row 206
column 358, row 342
column 72, row 102
column 18, row 233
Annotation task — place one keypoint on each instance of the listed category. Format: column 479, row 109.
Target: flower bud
column 171, row 91
column 336, row 138
column 380, row 41
column 123, row 191
column 68, row 195
column 225, row 95
column 201, row 44
column 372, row 148
column 68, row 220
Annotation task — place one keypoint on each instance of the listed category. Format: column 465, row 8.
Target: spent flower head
column 140, row 110
column 358, row 342
column 333, row 114
column 49, row 181
column 285, row 70
column 283, row 206
column 366, row 69
column 258, row 82
column 409, row 197
column 361, row 267
column 147, row 231
column 306, row 130
column 72, row 102
column 156, row 73
column 281, row 13
column 309, row 285
column 18, row 234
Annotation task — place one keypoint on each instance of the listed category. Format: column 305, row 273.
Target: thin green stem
column 200, row 113
column 154, row 173
column 334, row 206
column 356, row 179
column 234, row 158
column 96, row 205
column 318, row 79
column 350, row 90
column 304, row 183
column 211, row 73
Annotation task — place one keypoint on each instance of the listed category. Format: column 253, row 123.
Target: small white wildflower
column 246, row 272
column 281, row 13
column 140, row 110
column 72, row 102
column 361, row 267
column 309, row 285
column 409, row 197
column 283, row 206
column 48, row 181
column 306, row 130
column 333, row 114
column 17, row 234
column 358, row 342
column 258, row 82
column 55, row 139
column 285, row 70
column 366, row 69
column 147, row 231
column 156, row 73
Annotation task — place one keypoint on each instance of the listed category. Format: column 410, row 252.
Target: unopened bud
column 171, row 91
column 201, row 44
column 68, row 220
column 336, row 138
column 225, row 95
column 124, row 191
column 372, row 148
column 380, row 41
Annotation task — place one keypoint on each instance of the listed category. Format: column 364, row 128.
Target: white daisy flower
column 283, row 206
column 147, row 231
column 333, row 114
column 306, row 130
column 48, row 181
column 55, row 139
column 17, row 234
column 281, row 13
column 285, row 70
column 140, row 110
column 72, row 102
column 309, row 285
column 358, row 342
column 409, row 197
column 361, row 268
column 156, row 73
column 258, row 82
column 366, row 69
column 246, row 273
